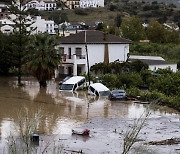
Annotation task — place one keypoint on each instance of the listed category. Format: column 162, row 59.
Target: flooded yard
column 108, row 121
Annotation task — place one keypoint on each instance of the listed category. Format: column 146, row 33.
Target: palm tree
column 43, row 58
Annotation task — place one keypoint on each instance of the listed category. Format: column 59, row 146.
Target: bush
column 112, row 7
column 133, row 92
column 79, row 11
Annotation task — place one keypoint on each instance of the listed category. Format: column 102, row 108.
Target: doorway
column 69, row 71
column 79, row 70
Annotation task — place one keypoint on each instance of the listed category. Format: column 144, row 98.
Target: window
column 92, row 89
column 69, row 53
column 61, row 50
column 78, row 51
column 75, row 86
column 81, row 82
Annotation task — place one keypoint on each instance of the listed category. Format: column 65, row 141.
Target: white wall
column 6, row 29
column 118, row 52
column 146, row 57
column 96, row 52
column 6, row 22
column 43, row 26
column 40, row 5
column 91, row 3
column 173, row 67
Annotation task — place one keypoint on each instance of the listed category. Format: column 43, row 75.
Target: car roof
column 99, row 87
column 74, row 79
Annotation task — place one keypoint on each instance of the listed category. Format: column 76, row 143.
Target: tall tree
column 6, row 58
column 43, row 58
column 118, row 20
column 132, row 28
column 20, row 35
column 156, row 32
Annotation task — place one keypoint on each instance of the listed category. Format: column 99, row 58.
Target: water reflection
column 61, row 111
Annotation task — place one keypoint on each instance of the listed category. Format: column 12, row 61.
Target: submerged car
column 118, row 95
column 65, row 79
column 72, row 84
column 98, row 89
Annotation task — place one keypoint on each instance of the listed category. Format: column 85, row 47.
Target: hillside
column 175, row 2
column 144, row 10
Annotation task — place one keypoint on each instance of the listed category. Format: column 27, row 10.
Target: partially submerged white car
column 98, row 89
column 73, row 83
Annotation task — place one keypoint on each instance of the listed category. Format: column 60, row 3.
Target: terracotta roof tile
column 93, row 37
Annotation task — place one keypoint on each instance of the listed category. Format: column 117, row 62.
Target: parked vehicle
column 72, row 84
column 98, row 89
column 118, row 94
column 65, row 79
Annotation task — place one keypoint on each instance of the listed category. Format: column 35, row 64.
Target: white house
column 101, row 47
column 91, row 3
column 7, row 26
column 40, row 25
column 154, row 62
column 71, row 4
column 43, row 26
column 40, row 4
column 6, row 29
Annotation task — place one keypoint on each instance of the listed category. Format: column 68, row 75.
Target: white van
column 72, row 84
column 98, row 89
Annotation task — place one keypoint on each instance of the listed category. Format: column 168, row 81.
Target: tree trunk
column 19, row 75
column 42, row 84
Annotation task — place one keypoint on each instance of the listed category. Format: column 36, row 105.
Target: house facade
column 7, row 26
column 91, row 3
column 90, row 46
column 37, row 23
column 154, row 62
column 43, row 26
column 3, row 9
column 72, row 4
column 40, row 5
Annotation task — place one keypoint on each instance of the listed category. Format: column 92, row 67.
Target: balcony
column 79, row 59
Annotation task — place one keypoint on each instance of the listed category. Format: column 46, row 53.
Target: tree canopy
column 43, row 58
column 132, row 28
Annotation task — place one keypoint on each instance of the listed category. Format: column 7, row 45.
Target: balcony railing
column 69, row 58
column 80, row 56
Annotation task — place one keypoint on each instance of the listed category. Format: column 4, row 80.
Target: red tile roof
column 93, row 37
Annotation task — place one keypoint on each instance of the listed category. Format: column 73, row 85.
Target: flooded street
column 107, row 121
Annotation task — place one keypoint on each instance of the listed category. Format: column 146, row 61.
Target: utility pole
column 87, row 57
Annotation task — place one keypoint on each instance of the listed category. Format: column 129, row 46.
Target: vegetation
column 20, row 36
column 27, row 126
column 131, row 135
column 132, row 29
column 5, row 54
column 123, row 18
column 163, row 88
column 146, row 11
column 42, row 58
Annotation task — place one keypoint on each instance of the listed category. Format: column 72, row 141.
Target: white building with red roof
column 101, row 47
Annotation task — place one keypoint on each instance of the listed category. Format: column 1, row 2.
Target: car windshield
column 104, row 93
column 118, row 92
column 66, row 86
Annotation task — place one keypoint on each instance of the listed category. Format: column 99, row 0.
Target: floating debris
column 166, row 142
column 81, row 132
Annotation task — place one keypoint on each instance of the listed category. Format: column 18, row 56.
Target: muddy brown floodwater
column 108, row 121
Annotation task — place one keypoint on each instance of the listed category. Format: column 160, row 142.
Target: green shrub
column 133, row 92
column 79, row 11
